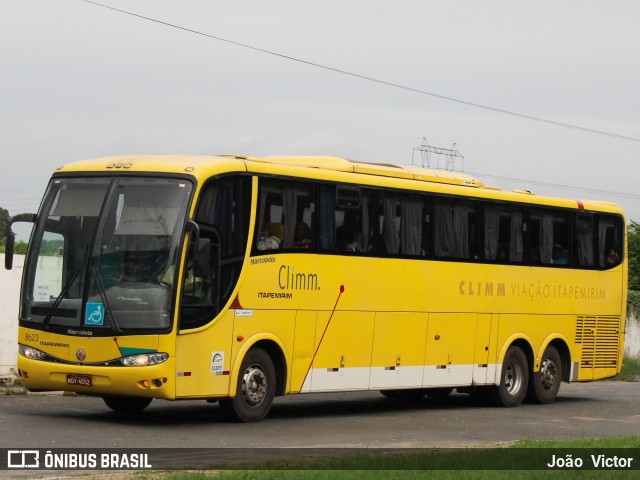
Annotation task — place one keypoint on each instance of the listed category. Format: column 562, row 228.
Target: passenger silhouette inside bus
column 302, row 237
column 559, row 255
column 346, row 239
column 613, row 258
column 267, row 240
column 192, row 285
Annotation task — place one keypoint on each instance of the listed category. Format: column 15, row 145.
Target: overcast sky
column 79, row 81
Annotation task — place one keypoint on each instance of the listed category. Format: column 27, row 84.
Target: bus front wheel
column 127, row 404
column 255, row 389
column 544, row 385
column 514, row 379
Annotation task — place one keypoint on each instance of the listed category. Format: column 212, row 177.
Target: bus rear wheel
column 514, row 379
column 544, row 385
column 127, row 404
column 255, row 389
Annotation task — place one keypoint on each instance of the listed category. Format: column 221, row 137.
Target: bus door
column 209, row 278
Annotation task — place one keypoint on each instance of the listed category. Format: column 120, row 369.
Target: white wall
column 9, row 299
column 632, row 337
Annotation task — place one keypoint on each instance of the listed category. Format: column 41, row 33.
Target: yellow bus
column 237, row 279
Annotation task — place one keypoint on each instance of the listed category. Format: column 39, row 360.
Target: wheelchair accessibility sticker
column 94, row 315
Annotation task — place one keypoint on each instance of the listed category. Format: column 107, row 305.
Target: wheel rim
column 254, row 385
column 548, row 374
column 513, row 378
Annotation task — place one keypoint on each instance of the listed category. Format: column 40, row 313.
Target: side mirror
column 8, row 250
column 11, row 237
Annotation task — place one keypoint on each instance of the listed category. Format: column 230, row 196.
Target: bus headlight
column 144, row 359
column 30, row 352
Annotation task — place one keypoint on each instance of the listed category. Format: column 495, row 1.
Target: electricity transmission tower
column 433, row 157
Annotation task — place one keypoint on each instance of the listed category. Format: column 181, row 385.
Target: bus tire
column 514, row 379
column 544, row 385
column 127, row 404
column 255, row 389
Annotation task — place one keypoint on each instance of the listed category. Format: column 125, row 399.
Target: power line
column 609, row 193
column 372, row 79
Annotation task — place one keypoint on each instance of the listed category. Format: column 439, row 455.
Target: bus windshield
column 100, row 251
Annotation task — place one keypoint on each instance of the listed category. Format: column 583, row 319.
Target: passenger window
column 456, row 230
column 346, row 215
column 389, row 223
column 610, row 235
column 402, row 224
column 503, row 229
column 550, row 235
column 584, row 240
column 286, row 216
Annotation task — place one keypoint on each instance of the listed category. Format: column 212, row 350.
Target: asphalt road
column 321, row 420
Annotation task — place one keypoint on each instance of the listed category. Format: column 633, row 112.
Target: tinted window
column 456, row 233
column 286, row 216
column 503, row 234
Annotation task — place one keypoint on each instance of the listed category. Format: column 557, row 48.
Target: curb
column 19, row 390
column 12, row 386
column 15, row 390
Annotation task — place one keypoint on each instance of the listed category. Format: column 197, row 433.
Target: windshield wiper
column 103, row 296
column 63, row 293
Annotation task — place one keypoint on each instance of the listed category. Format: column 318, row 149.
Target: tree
column 4, row 219
column 634, row 255
column 20, row 247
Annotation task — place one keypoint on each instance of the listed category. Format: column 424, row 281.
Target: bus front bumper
column 155, row 381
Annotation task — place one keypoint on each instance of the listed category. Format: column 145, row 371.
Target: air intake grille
column 600, row 340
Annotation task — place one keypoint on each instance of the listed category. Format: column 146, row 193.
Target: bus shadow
column 162, row 414
column 372, row 404
column 378, row 405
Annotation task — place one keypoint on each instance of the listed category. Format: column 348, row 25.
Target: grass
column 445, row 465
column 630, row 369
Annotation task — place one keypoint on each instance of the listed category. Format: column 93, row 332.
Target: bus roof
column 185, row 163
column 203, row 166
column 381, row 169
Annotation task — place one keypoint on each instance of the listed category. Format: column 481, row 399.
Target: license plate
column 84, row 380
